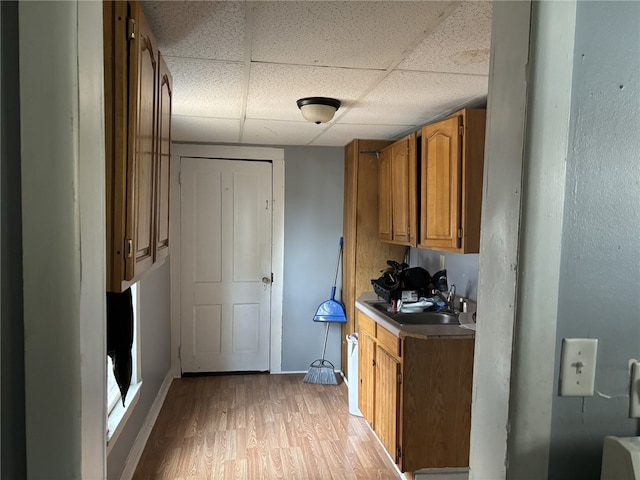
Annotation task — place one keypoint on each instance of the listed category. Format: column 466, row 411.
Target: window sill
column 120, row 414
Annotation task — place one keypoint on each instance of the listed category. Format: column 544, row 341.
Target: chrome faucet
column 449, row 299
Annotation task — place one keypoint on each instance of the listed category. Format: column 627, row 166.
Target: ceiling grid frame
column 239, row 67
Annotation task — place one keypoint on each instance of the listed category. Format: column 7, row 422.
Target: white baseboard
column 144, row 433
column 288, row 372
column 441, row 474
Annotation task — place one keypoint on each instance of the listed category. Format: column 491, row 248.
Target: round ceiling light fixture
column 318, row 109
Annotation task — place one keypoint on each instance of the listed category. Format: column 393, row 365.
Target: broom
column 322, row 371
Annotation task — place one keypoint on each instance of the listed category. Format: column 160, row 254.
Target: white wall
column 548, row 113
column 499, row 239
column 62, row 135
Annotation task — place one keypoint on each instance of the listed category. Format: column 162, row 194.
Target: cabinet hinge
column 459, row 233
column 399, row 378
column 129, row 248
column 398, row 452
column 131, row 29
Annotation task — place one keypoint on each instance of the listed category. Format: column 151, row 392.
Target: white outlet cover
column 578, row 367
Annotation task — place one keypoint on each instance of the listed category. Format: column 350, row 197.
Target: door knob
column 266, row 280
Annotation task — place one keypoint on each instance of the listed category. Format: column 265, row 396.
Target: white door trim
column 276, row 156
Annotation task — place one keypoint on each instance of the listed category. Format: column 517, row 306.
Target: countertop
column 421, row 331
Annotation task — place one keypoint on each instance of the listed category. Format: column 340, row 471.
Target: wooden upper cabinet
column 451, row 182
column 164, row 159
column 397, row 202
column 138, row 138
column 143, row 81
column 403, row 173
column 440, row 182
column 385, row 224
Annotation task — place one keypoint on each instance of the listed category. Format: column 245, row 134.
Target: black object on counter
column 439, row 281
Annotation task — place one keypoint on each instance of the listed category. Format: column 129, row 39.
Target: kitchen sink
column 428, row 317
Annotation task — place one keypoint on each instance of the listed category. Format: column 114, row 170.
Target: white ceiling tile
column 207, row 130
column 461, row 44
column 211, row 29
column 270, row 132
column 341, row 49
column 206, row 88
column 416, row 97
column 274, row 89
column 341, row 134
column 365, row 34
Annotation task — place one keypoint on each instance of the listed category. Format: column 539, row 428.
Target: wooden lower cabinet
column 366, row 372
column 386, row 401
column 416, row 395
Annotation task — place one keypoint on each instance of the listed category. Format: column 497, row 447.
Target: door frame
column 276, row 156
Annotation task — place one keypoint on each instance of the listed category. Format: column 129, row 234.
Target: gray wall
column 12, row 327
column 314, row 195
column 462, row 270
column 600, row 265
column 155, row 344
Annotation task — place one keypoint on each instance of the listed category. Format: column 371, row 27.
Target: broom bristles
column 321, row 374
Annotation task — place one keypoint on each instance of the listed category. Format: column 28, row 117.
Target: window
column 117, row 414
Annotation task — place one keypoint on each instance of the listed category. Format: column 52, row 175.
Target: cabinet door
column 385, row 225
column 440, row 185
column 403, row 193
column 116, row 71
column 143, row 75
column 366, row 372
column 387, row 393
column 163, row 160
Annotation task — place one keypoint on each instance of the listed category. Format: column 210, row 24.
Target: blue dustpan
column 332, row 310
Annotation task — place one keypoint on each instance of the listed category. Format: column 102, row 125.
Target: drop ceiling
column 239, row 67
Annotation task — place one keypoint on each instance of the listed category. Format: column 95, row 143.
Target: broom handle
column 326, row 335
column 335, row 280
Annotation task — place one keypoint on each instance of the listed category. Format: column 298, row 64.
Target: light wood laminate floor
column 253, row 427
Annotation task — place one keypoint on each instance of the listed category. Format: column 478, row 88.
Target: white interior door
column 226, row 218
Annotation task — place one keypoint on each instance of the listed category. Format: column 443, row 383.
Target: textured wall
column 600, row 266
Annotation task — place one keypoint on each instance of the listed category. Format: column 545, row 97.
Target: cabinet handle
column 373, row 363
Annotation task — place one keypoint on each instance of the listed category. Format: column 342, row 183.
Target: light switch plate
column 578, row 368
